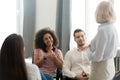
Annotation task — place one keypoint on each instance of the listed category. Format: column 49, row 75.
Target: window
column 117, row 24
column 91, row 25
column 9, row 18
column 83, row 16
column 77, row 18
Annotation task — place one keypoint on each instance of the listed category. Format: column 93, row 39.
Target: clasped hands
column 50, row 54
column 83, row 76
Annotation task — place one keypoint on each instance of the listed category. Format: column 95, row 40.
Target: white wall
column 45, row 13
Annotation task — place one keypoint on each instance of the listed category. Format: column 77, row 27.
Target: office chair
column 59, row 75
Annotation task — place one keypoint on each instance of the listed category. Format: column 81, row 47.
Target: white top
column 104, row 45
column 75, row 62
column 33, row 72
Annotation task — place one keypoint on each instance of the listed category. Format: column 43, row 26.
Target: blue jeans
column 46, row 76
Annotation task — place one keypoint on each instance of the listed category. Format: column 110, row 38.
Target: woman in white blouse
column 103, row 47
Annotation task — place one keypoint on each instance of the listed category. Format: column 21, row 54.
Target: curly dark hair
column 39, row 43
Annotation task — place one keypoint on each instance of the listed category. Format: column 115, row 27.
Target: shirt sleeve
column 38, row 52
column 67, row 66
column 97, row 48
column 59, row 53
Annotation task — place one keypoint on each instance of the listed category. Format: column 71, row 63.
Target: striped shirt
column 48, row 67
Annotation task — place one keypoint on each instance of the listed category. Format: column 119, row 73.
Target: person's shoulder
column 105, row 26
column 33, row 72
column 31, row 66
column 58, row 50
column 71, row 51
column 38, row 50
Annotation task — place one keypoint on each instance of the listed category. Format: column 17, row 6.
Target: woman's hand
column 51, row 55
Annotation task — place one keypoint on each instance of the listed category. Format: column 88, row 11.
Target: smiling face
column 80, row 38
column 48, row 40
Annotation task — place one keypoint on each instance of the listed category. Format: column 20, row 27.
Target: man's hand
column 82, row 76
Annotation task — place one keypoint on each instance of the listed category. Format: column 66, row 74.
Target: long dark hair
column 39, row 43
column 12, row 64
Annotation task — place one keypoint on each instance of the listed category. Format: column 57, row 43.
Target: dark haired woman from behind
column 12, row 62
column 46, row 56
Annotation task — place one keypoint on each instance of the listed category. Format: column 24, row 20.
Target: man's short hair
column 78, row 30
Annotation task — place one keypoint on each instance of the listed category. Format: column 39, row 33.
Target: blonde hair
column 105, row 12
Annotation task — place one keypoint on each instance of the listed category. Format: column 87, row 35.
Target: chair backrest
column 33, row 57
column 117, row 76
column 59, row 75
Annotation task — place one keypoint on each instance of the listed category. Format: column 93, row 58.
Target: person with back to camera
column 103, row 47
column 46, row 54
column 76, row 65
column 12, row 61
